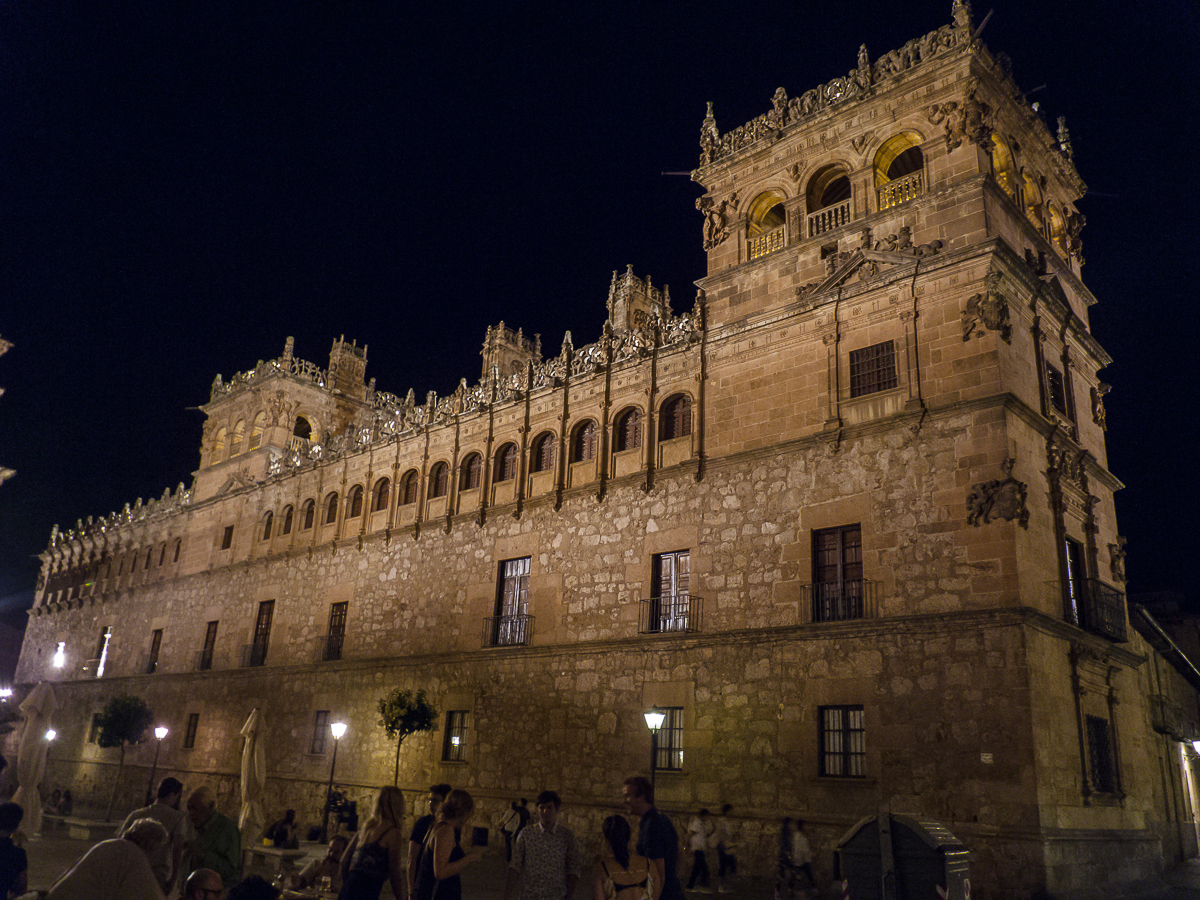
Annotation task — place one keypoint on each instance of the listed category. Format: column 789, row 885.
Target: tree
column 123, row 721
column 402, row 714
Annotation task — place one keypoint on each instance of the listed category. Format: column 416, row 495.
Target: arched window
column 256, row 430
column 471, row 472
column 149, row 554
column 219, row 445
column 331, row 505
column 408, row 487
column 676, row 419
column 583, row 442
column 354, row 502
column 162, row 555
column 1003, row 166
column 287, row 521
column 178, row 545
column 235, row 439
column 899, row 169
column 379, row 497
column 627, row 434
column 766, row 221
column 309, row 511
column 1058, row 230
column 268, row 521
column 302, row 429
column 828, row 199
column 542, row 459
column 1033, row 198
column 439, row 478
column 506, row 463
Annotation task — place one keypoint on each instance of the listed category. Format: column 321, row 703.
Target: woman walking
column 443, row 857
column 627, row 873
column 378, row 852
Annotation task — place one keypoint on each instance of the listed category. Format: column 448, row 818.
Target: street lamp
column 160, row 732
column 338, row 729
column 654, row 720
column 51, row 734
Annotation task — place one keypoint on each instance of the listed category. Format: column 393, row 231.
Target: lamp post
column 654, row 719
column 338, row 729
column 160, row 732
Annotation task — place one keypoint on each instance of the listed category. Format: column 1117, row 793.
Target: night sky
column 185, row 185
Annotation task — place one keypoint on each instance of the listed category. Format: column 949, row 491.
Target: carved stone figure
column 1075, row 223
column 1116, row 560
column 977, row 118
column 999, row 499
column 1098, row 414
column 987, row 310
column 710, row 137
column 779, row 108
column 716, row 219
column 1064, row 139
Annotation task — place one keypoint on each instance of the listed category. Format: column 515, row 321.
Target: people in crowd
column 700, row 832
column 216, row 844
column 66, row 805
column 443, row 857
column 51, row 806
column 203, row 884
column 378, row 852
column 282, row 833
column 545, row 856
column 628, row 873
column 254, row 887
column 421, row 829
column 165, row 810
column 726, row 857
column 658, row 840
column 509, row 823
column 312, row 875
column 14, row 864
column 802, row 856
column 117, row 869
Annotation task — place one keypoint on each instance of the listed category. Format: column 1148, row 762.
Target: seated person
column 51, row 807
column 66, row 805
column 14, row 864
column 311, row 875
column 283, row 832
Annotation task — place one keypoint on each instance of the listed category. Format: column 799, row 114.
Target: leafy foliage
column 123, row 720
column 402, row 713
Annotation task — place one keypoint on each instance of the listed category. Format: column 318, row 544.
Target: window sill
column 845, row 779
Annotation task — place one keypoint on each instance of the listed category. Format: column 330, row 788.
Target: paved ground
column 50, row 855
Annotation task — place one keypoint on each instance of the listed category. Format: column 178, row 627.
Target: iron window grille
column 843, row 750
column 668, row 756
column 454, row 748
column 320, row 732
column 873, row 369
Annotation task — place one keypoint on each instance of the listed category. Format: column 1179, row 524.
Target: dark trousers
column 699, row 870
column 726, row 862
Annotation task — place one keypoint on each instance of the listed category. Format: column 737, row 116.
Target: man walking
column 658, row 840
column 421, row 829
column 165, row 810
column 545, row 856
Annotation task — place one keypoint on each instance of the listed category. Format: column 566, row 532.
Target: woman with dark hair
column 378, row 852
column 627, row 873
column 443, row 857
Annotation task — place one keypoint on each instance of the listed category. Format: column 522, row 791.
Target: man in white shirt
column 165, row 810
column 545, row 856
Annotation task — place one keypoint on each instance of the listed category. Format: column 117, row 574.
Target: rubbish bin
column 889, row 857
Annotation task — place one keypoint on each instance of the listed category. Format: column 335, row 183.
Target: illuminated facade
column 847, row 520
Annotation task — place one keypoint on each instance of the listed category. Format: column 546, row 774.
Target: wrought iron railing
column 901, row 190
column 1104, row 611
column 769, row 242
column 90, row 668
column 670, row 614
column 330, row 646
column 829, row 218
column 204, row 659
column 507, row 631
column 254, row 654
column 841, row 601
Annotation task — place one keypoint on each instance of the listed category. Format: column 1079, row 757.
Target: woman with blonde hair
column 627, row 873
column 378, row 852
column 443, row 856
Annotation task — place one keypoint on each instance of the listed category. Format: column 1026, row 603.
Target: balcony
column 762, row 244
column 829, row 218
column 507, row 631
column 841, row 601
column 901, row 190
column 91, row 668
column 254, row 654
column 669, row 615
column 1103, row 611
column 204, row 659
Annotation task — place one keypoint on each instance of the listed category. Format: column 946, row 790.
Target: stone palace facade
column 847, row 520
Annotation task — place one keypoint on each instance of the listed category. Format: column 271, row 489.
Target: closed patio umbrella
column 37, row 708
column 251, row 820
